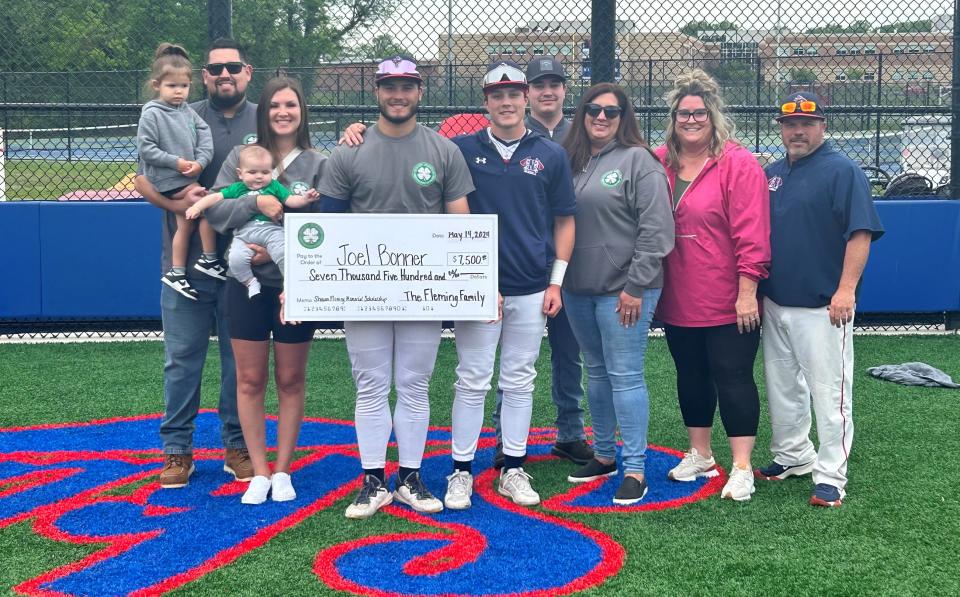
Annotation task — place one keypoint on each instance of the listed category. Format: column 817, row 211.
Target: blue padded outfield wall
column 101, row 260
column 89, row 260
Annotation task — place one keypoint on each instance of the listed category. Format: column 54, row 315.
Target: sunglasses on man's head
column 804, row 106
column 611, row 112
column 215, row 68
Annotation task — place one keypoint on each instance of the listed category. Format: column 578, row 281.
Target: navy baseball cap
column 801, row 103
column 545, row 67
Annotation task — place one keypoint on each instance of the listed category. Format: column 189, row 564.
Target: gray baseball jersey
column 415, row 174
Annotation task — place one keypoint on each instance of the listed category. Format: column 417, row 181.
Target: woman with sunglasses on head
column 282, row 131
column 709, row 304
column 613, row 282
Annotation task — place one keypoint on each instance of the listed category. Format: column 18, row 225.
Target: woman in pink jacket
column 709, row 302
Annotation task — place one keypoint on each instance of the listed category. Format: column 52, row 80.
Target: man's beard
column 395, row 120
column 225, row 102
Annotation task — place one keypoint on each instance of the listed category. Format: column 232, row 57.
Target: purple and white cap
column 397, row 67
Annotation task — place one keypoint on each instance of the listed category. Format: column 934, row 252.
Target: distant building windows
column 738, row 50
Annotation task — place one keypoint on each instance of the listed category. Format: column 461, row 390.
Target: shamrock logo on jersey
column 251, row 138
column 310, row 236
column 299, row 188
column 424, row 174
column 611, row 179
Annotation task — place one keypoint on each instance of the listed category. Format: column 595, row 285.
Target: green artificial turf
column 898, row 531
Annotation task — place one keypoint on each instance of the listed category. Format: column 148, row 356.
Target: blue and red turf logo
column 95, row 484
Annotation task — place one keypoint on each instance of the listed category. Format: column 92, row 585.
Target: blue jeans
column 186, row 332
column 567, row 382
column 616, row 388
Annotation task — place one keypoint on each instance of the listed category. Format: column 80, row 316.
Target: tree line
column 106, row 35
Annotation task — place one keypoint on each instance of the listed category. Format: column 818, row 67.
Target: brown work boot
column 176, row 471
column 236, row 461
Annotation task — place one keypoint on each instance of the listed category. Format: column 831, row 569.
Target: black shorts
column 169, row 194
column 256, row 318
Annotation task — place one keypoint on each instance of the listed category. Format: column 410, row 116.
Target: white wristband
column 559, row 270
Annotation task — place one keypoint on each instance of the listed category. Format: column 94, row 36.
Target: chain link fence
column 72, row 73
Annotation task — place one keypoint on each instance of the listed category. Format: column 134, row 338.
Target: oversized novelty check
column 367, row 267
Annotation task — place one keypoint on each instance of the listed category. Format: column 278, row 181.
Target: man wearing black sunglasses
column 187, row 323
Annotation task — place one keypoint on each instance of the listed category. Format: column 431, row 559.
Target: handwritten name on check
column 375, row 267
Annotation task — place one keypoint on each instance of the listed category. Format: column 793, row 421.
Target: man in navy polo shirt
column 822, row 223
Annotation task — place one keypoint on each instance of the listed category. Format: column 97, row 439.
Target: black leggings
column 715, row 364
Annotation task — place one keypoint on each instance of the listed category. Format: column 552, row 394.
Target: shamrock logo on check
column 310, row 236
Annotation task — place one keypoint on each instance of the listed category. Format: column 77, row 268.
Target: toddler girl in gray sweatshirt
column 175, row 145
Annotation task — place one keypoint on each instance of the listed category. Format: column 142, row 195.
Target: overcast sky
column 418, row 23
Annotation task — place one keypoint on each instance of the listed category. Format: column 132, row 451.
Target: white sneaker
column 739, row 486
column 257, row 491
column 373, row 496
column 692, row 466
column 515, row 484
column 459, row 490
column 282, row 488
column 412, row 492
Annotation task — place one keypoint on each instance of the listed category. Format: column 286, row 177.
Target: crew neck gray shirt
column 414, row 174
column 227, row 133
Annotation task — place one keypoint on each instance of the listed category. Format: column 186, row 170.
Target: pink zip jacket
column 723, row 232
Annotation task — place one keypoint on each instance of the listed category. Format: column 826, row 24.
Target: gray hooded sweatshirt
column 167, row 133
column 624, row 224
